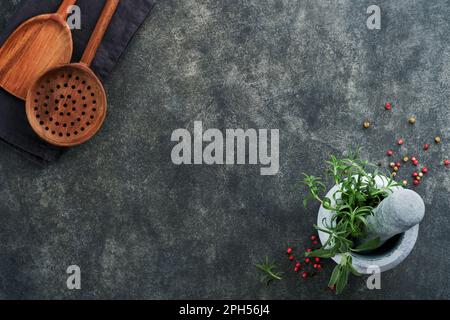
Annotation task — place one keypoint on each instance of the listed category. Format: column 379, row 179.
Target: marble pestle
column 399, row 212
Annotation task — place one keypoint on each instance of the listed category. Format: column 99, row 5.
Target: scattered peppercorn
column 415, row 174
column 366, row 124
column 317, row 259
column 405, row 182
column 307, row 260
column 398, row 164
column 395, row 168
column 313, row 238
column 416, row 182
column 446, row 163
column 412, row 120
column 315, row 243
column 413, row 159
column 388, row 106
column 291, row 258
column 289, row 251
column 296, row 269
column 420, row 174
column 437, row 140
column 426, row 146
column 392, row 164
column 394, row 174
column 304, row 275
column 416, row 163
column 405, row 159
column 425, row 170
column 309, row 250
column 400, row 142
column 390, row 153
column 298, row 264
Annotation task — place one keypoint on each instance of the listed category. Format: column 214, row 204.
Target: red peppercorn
column 309, row 250
column 307, row 260
column 425, row 170
column 400, row 142
column 388, row 106
column 315, row 266
column 416, row 182
column 304, row 275
column 298, row 265
column 398, row 165
column 426, row 146
column 415, row 174
column 289, row 251
column 413, row 159
column 296, row 269
column 317, row 259
column 446, row 163
column 315, row 243
column 390, row 153
column 416, row 163
column 313, row 237
column 319, row 266
column 291, row 258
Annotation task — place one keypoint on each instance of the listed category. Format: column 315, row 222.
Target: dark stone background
column 141, row 227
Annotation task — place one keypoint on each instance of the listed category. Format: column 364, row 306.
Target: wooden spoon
column 35, row 46
column 66, row 106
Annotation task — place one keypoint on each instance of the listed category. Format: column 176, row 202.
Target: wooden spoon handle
column 65, row 5
column 99, row 31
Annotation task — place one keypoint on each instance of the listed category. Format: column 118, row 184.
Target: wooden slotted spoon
column 35, row 46
column 66, row 106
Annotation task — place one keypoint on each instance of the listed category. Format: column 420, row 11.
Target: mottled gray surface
column 140, row 227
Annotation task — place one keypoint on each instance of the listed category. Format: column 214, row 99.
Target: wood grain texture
column 67, row 105
column 35, row 46
column 99, row 31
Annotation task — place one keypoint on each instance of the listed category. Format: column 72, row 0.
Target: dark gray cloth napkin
column 14, row 128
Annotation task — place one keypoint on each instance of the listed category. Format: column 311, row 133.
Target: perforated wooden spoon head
column 67, row 105
column 36, row 45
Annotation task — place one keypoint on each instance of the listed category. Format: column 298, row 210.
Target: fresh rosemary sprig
column 355, row 200
column 270, row 273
